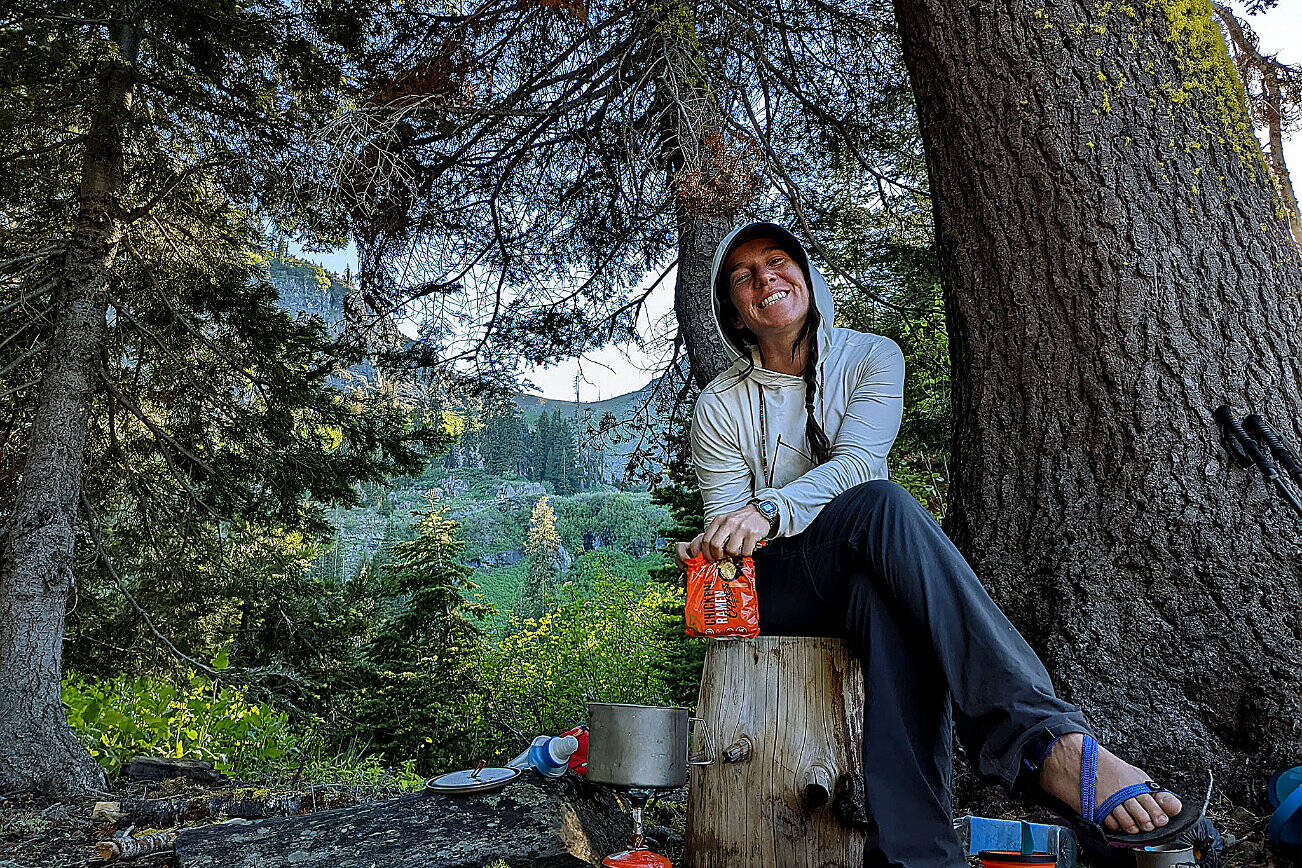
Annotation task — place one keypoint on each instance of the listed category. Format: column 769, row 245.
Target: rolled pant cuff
column 1013, row 763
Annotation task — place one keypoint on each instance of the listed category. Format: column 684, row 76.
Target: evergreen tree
column 148, row 374
column 680, row 666
column 528, row 446
column 541, row 551
column 614, row 174
column 413, row 694
column 541, row 446
column 504, row 445
column 562, row 458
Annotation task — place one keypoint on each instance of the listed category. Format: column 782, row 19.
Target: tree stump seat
column 785, row 717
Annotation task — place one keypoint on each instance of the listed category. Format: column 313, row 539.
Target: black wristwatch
column 769, row 510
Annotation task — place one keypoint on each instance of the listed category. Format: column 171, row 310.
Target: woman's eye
column 775, row 261
column 740, row 279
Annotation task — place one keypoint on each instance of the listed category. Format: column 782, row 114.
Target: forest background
column 320, row 529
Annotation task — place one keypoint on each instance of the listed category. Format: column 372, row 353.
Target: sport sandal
column 1092, row 826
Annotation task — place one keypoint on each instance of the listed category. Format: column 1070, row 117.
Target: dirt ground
column 49, row 833
column 45, row 833
column 40, row 833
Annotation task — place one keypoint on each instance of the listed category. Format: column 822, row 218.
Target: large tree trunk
column 37, row 749
column 1114, row 269
column 707, row 197
column 698, row 237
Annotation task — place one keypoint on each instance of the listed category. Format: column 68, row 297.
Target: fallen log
column 152, row 768
column 249, row 803
column 132, row 848
column 532, row 823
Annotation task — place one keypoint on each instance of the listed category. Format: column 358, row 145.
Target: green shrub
column 196, row 718
column 604, row 645
column 576, row 515
column 924, row 478
column 499, row 587
column 148, row 716
column 492, row 529
column 352, row 768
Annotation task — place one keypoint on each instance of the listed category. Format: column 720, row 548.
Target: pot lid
column 477, row 780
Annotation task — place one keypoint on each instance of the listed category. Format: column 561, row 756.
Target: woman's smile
column 768, row 290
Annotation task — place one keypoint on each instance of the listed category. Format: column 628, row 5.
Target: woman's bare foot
column 1060, row 778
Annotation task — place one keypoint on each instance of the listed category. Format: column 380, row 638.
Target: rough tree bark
column 707, row 198
column 532, row 823
column 698, row 237
column 38, row 751
column 1114, row 268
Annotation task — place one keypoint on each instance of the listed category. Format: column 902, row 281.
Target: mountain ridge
column 307, row 289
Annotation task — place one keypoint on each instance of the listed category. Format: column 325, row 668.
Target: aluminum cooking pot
column 640, row 746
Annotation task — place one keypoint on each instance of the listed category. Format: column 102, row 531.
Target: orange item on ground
column 721, row 599
column 637, row 859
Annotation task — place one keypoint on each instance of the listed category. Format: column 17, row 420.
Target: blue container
column 984, row 833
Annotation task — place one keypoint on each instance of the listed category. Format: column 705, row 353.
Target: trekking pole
column 1225, row 415
column 1257, row 427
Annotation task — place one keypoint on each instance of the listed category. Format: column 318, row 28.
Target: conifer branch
column 102, row 557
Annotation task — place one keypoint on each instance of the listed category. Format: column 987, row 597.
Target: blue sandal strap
column 1089, row 761
column 1102, row 811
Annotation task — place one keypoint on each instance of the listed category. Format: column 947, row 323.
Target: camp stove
column 638, row 856
column 640, row 750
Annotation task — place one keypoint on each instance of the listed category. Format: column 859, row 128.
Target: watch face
column 768, row 507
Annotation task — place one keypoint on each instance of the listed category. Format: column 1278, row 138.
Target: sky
column 617, row 370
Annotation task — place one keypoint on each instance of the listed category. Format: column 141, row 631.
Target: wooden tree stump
column 785, row 715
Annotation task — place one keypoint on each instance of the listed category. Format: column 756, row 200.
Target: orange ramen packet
column 721, row 599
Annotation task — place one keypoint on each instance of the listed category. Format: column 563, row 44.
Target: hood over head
column 820, row 297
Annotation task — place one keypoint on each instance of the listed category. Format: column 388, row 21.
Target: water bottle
column 549, row 755
column 983, row 833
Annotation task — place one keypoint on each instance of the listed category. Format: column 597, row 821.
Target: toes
column 1169, row 803
column 1155, row 812
column 1140, row 815
column 1124, row 820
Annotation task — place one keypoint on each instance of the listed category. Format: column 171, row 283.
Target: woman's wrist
column 768, row 511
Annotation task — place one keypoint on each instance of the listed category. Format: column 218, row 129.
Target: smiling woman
column 852, row 555
column 769, row 297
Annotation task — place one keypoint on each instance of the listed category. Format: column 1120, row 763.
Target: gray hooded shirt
column 860, row 400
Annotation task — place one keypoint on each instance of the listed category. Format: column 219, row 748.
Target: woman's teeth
column 777, row 296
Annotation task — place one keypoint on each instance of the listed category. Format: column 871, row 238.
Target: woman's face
column 768, row 289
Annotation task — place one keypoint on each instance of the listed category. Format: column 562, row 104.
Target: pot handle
column 709, row 744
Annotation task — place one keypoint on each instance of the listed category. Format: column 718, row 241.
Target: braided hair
column 741, row 337
column 819, row 446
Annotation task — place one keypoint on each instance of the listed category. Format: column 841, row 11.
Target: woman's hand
column 687, row 550
column 734, row 533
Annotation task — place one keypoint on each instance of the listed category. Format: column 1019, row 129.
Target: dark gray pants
column 876, row 569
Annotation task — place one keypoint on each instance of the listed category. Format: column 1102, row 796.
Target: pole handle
column 1259, row 428
column 1225, row 415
